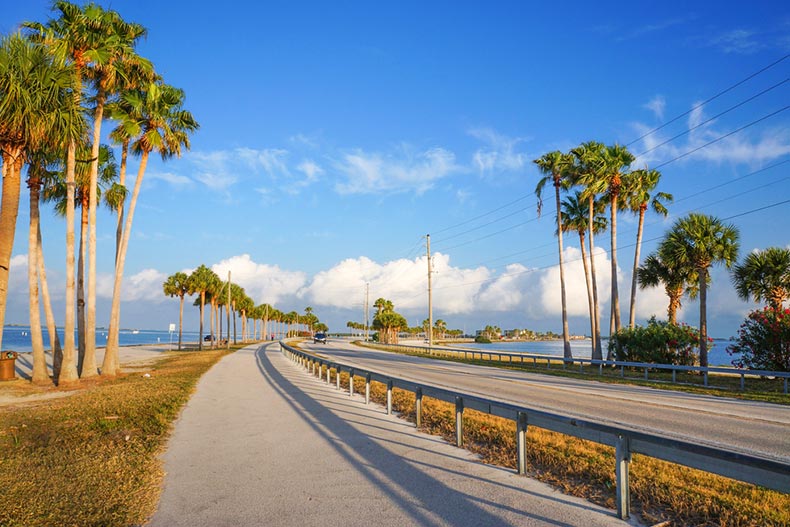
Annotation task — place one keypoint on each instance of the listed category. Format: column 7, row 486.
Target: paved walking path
column 263, row 443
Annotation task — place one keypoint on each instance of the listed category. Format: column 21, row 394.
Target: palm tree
column 36, row 112
column 554, row 166
column 575, row 217
column 616, row 159
column 701, row 241
column 765, row 276
column 199, row 282
column 639, row 186
column 677, row 279
column 586, row 172
column 178, row 285
column 165, row 128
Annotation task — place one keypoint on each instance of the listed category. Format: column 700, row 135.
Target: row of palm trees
column 59, row 81
column 221, row 295
column 602, row 178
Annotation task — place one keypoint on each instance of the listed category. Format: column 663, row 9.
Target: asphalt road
column 260, row 442
column 756, row 428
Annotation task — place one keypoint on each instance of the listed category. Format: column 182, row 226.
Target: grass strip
column 92, row 458
column 756, row 388
column 660, row 491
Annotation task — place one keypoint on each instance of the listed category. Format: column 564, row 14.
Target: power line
column 713, row 118
column 483, row 215
column 763, row 118
column 703, row 103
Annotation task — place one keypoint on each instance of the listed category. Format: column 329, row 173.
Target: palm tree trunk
column 68, row 370
column 202, row 303
column 9, row 210
column 54, row 339
column 111, row 365
column 615, row 294
column 39, row 373
column 89, row 366
column 632, row 312
column 234, row 325
column 597, row 335
column 589, row 295
column 121, row 181
column 180, row 320
column 703, row 317
column 566, row 339
column 674, row 304
column 81, row 290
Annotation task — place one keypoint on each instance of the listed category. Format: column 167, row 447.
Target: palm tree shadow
column 403, row 476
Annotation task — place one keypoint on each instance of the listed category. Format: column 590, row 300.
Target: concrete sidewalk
column 263, row 443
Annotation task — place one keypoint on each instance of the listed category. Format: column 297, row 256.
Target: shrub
column 480, row 339
column 659, row 342
column 763, row 341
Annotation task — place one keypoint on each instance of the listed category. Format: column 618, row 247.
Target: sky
column 335, row 135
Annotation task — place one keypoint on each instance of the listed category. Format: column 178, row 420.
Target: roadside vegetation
column 92, row 458
column 660, row 491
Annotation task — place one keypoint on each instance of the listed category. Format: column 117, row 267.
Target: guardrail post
column 742, row 381
column 521, row 442
column 389, row 397
column 350, row 383
column 337, row 376
column 623, row 455
column 706, row 378
column 418, row 406
column 459, row 422
column 328, row 373
column 367, row 388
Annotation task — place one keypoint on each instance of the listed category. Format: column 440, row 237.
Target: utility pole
column 367, row 303
column 227, row 310
column 430, row 299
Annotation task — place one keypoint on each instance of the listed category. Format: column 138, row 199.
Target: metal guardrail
column 551, row 359
column 770, row 473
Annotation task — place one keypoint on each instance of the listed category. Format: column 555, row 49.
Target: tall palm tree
column 555, row 166
column 765, row 276
column 165, row 128
column 676, row 278
column 616, row 160
column 701, row 241
column 575, row 217
column 586, row 172
column 177, row 284
column 36, row 110
column 638, row 196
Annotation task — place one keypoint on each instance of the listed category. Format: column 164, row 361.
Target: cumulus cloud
column 262, row 282
column 499, row 153
column 405, row 170
column 145, row 285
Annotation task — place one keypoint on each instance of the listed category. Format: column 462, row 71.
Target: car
column 319, row 337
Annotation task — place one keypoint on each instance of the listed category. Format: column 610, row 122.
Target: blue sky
column 335, row 135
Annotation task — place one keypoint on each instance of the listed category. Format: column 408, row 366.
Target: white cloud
column 657, row 105
column 740, row 41
column 145, row 285
column 499, row 152
column 262, row 282
column 575, row 283
column 171, row 178
column 402, row 171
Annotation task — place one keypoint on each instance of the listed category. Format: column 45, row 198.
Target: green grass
column 756, row 388
column 92, row 458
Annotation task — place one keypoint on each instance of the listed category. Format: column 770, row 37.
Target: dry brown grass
column 92, row 458
column 660, row 491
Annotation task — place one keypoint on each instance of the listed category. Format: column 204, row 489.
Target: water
column 717, row 355
column 17, row 338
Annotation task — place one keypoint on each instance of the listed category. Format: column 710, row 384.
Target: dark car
column 319, row 337
column 207, row 338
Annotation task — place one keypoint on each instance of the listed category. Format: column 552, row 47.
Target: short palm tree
column 199, row 283
column 575, row 217
column 676, row 280
column 764, row 276
column 639, row 195
column 555, row 167
column 178, row 285
column 701, row 241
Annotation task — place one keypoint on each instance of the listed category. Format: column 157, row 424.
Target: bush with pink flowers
column 763, row 341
